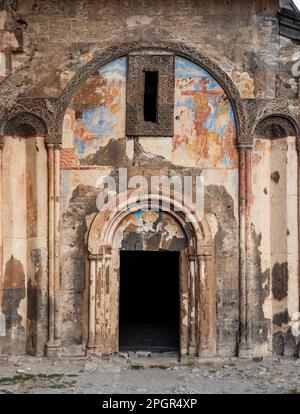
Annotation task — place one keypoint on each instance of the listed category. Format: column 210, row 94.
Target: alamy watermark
column 177, row 193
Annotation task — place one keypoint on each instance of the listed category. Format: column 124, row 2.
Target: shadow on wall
column 13, row 293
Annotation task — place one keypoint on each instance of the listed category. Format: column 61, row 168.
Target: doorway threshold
column 133, row 355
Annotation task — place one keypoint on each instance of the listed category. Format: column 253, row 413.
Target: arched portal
column 150, row 244
column 200, row 139
column 159, row 229
column 96, row 142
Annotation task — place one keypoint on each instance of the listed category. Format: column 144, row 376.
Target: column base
column 207, row 353
column 90, row 351
column 245, row 351
column 192, row 351
column 54, row 349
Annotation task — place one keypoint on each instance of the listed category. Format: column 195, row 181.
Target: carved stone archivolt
column 31, row 116
column 273, row 117
column 25, row 125
column 276, row 127
column 179, row 49
column 197, row 283
column 51, row 111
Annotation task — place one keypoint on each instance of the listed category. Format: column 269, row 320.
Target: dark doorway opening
column 149, row 301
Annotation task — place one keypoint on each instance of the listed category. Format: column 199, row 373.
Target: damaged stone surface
column 221, row 204
column 154, row 374
column 151, row 231
column 242, row 261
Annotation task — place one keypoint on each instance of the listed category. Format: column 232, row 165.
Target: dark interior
column 150, row 96
column 149, row 301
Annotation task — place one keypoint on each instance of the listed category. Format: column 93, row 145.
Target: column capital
column 53, row 145
column 104, row 251
column 204, row 256
column 245, row 142
column 205, row 251
column 95, row 256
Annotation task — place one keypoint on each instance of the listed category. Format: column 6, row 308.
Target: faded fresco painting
column 204, row 119
column 150, row 230
column 97, row 112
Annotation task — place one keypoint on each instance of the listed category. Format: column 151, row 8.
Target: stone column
column 206, row 306
column 2, row 316
column 245, row 149
column 103, row 341
column 1, row 209
column 298, row 216
column 192, row 305
column 291, row 202
column 184, row 302
column 100, row 336
column 92, row 303
column 53, row 347
column 57, row 221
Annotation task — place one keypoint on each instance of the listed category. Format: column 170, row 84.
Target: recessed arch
column 180, row 49
column 106, row 222
column 197, row 289
column 24, row 124
column 277, row 125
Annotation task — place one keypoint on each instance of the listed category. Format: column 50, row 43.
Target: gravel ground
column 155, row 374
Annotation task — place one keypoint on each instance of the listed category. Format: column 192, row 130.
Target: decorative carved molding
column 135, row 123
column 248, row 112
column 245, row 142
column 52, row 110
column 196, row 275
column 36, row 113
column 179, row 49
column 271, row 117
column 25, row 124
column 270, row 107
column 275, row 127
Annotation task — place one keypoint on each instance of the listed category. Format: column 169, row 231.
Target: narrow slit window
column 150, row 96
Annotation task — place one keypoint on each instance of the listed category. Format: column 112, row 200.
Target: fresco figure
column 204, row 119
column 203, row 105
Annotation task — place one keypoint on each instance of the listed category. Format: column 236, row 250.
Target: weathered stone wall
column 24, row 288
column 43, row 44
column 274, row 211
column 60, row 36
column 94, row 144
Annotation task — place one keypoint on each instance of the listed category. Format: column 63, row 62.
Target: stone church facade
column 222, row 102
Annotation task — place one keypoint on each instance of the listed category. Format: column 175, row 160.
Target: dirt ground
column 143, row 374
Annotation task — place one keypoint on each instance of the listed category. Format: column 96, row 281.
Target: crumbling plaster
column 47, row 63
